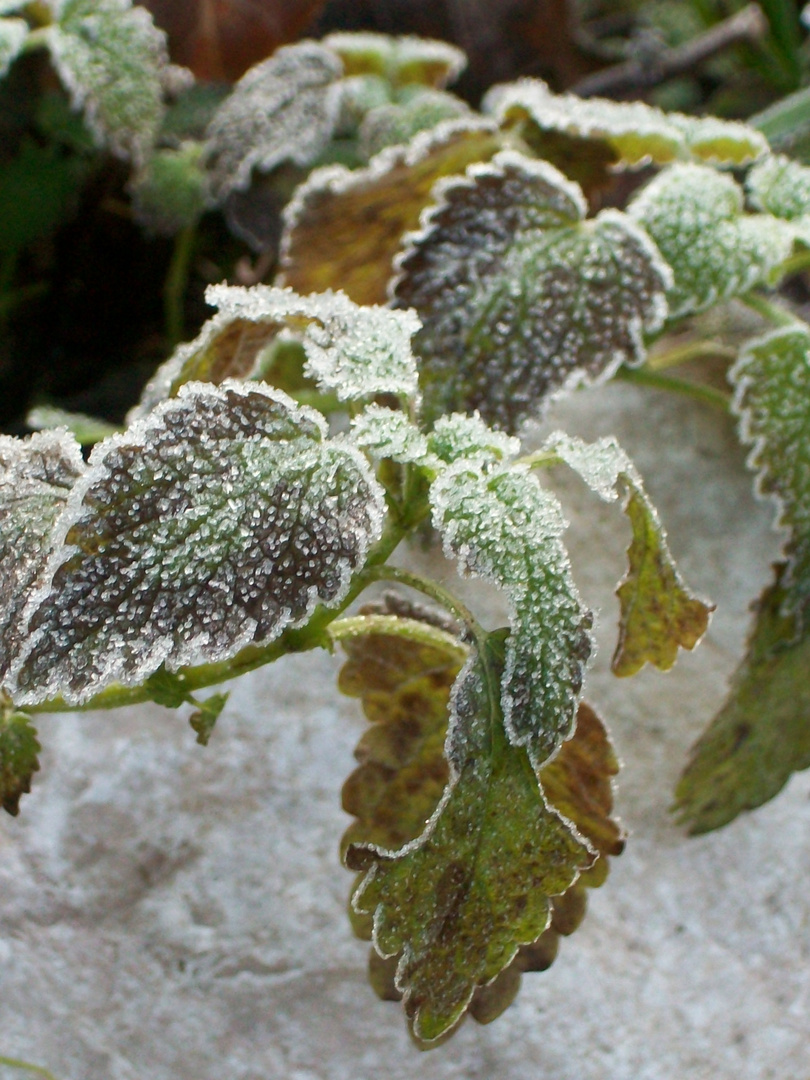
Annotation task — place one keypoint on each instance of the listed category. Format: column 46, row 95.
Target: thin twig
column 749, row 25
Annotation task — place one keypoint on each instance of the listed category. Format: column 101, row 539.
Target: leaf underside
column 218, row 521
column 519, row 297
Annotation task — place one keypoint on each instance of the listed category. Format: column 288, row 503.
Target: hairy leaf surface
column 343, row 228
column 772, row 377
column 283, row 109
column 19, row 750
column 762, row 733
column 658, row 612
column 503, row 527
column 519, row 297
column 695, row 216
column 458, row 902
column 218, row 521
column 13, row 33
column 111, row 58
column 36, row 475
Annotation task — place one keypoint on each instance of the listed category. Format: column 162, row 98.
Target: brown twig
column 642, row 73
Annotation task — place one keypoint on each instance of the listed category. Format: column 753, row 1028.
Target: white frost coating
column 460, row 435
column 357, row 351
column 13, row 33
column 389, row 55
column 503, row 527
column 389, row 434
column 780, row 186
column 639, row 133
column 219, row 520
column 695, row 216
column 600, row 464
column 111, row 57
column 283, row 109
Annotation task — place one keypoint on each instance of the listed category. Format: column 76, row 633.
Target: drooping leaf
column 357, row 352
column 457, row 903
column 171, row 191
column 520, row 298
column 772, row 399
column 111, row 58
column 399, row 60
column 695, row 216
column 221, row 519
column 36, row 475
column 13, row 33
column 282, row 110
column 762, row 733
column 589, row 136
column 343, row 228
column 658, row 613
column 204, row 718
column 500, row 525
column 19, row 750
column 781, row 187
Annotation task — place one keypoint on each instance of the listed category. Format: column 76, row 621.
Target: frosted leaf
column 13, row 33
column 111, row 58
column 503, row 527
column 399, row 60
column 220, row 520
column 394, row 123
column 9, row 6
column 343, row 228
column 356, row 351
column 772, row 399
column 283, row 109
column 521, row 299
column 780, row 186
column 658, row 612
column 467, row 436
column 695, row 216
column 170, row 193
column 389, row 434
column 633, row 133
column 36, row 475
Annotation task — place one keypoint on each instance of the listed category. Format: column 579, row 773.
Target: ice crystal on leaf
column 398, row 60
column 395, row 123
column 503, row 527
column 658, row 612
column 283, row 109
column 13, row 33
column 389, row 434
column 112, row 58
column 781, row 187
column 460, row 435
column 327, row 242
column 36, row 476
column 695, row 216
column 219, row 520
column 519, row 297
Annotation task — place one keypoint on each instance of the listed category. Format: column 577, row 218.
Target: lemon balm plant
column 444, row 274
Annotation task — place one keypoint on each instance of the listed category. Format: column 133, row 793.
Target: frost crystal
column 400, row 60
column 521, row 299
column 219, row 520
column 695, row 216
column 36, row 475
column 389, row 434
column 503, row 527
column 13, row 33
column 781, row 187
column 461, row 436
column 283, row 109
column 111, row 58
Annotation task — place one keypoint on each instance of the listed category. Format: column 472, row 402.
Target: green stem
column 174, row 289
column 657, row 381
column 795, row 264
column 775, row 314
column 13, row 1063
column 683, row 354
column 415, row 630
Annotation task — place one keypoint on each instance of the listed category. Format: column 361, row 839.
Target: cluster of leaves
column 275, row 463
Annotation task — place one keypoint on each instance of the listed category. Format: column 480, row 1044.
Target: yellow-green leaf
column 18, row 758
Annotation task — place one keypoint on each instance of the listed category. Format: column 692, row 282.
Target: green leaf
column 86, row 430
column 781, row 187
column 282, row 110
column 772, row 399
column 218, row 521
column 171, row 191
column 111, row 58
column 385, row 433
column 461, row 436
column 458, row 902
column 695, row 216
column 762, row 733
column 36, row 476
column 503, row 527
column 357, row 352
column 520, row 298
column 13, row 33
column 39, row 189
column 399, row 60
column 563, row 128
column 19, row 750
column 343, row 228
column 394, row 123
column 202, row 720
column 658, row 612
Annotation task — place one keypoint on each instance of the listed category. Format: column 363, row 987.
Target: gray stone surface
column 169, row 912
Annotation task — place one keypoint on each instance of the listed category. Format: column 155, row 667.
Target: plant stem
column 775, row 314
column 174, row 289
column 657, row 381
column 13, row 1063
column 415, row 630
column 683, row 354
